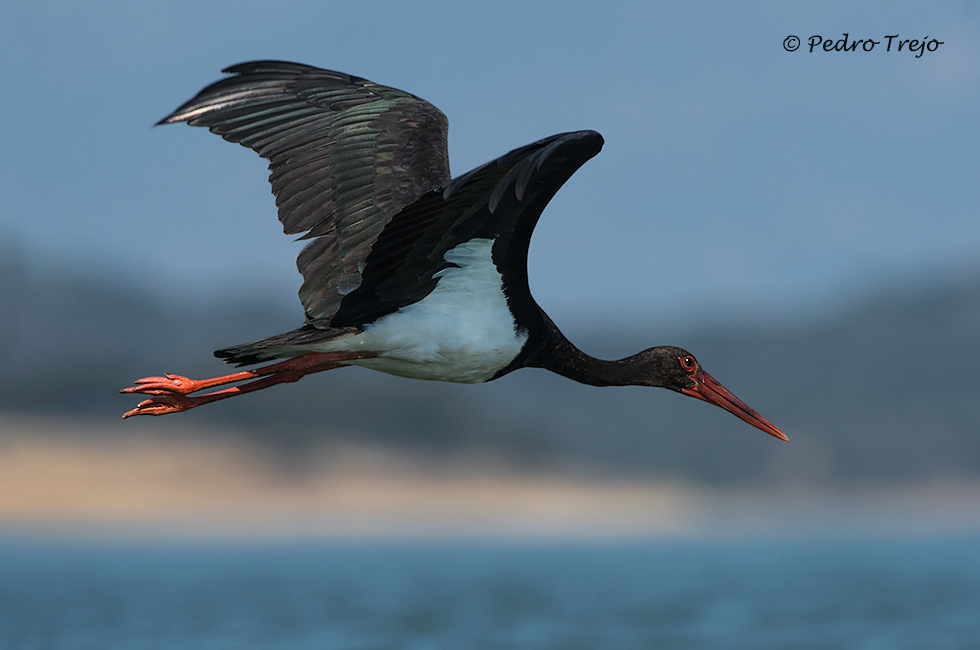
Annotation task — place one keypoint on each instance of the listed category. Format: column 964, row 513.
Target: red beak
column 709, row 390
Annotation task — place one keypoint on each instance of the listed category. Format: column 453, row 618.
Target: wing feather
column 345, row 155
column 500, row 200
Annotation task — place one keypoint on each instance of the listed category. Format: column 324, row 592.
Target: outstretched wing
column 346, row 155
column 500, row 201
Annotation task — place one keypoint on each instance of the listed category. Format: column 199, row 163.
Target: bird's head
column 677, row 369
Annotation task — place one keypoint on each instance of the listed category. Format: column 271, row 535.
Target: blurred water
column 864, row 594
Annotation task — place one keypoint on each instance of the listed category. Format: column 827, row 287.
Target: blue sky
column 738, row 180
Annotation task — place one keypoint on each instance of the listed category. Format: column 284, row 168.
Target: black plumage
column 345, row 155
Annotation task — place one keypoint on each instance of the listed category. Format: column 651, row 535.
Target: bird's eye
column 688, row 363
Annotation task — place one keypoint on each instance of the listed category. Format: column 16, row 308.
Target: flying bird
column 408, row 271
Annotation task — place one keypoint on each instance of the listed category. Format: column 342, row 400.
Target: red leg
column 177, row 385
column 173, row 390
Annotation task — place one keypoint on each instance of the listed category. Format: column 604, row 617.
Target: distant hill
column 886, row 392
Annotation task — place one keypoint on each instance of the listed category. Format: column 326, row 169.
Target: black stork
column 409, row 271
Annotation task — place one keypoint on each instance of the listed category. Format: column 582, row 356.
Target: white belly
column 461, row 332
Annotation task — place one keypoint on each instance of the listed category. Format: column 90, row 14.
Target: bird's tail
column 282, row 346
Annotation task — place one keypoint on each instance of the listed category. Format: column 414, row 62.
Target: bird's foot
column 167, row 385
column 173, row 391
column 170, row 384
column 162, row 405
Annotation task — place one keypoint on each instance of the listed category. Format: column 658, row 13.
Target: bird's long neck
column 568, row 361
column 552, row 351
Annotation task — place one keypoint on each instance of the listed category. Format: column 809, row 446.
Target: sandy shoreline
column 61, row 477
